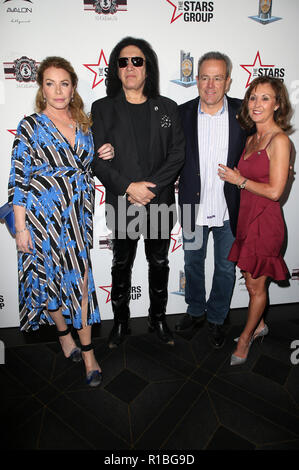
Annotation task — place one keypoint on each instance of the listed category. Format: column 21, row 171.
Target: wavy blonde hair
column 76, row 105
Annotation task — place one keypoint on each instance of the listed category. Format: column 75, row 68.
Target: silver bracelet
column 20, row 231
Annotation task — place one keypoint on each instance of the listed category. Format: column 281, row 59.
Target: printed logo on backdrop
column 99, row 70
column 181, row 284
column 176, row 238
column 105, row 242
column 186, row 71
column 264, row 15
column 241, row 283
column 98, row 187
column 295, row 274
column 191, row 11
column 23, row 70
column 258, row 69
column 2, row 303
column 136, row 292
column 105, row 9
column 20, row 9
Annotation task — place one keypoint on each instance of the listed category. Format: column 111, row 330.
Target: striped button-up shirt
column 213, row 147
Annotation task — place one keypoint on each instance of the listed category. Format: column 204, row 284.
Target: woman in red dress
column 261, row 175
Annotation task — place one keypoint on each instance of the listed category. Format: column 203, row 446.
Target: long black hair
column 151, row 85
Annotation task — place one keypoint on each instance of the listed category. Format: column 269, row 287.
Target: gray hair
column 216, row 56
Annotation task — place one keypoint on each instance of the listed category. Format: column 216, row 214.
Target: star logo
column 108, row 290
column 98, row 69
column 14, row 131
column 252, row 69
column 102, row 193
column 176, row 239
column 174, row 18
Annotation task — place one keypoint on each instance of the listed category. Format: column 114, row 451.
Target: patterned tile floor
column 154, row 396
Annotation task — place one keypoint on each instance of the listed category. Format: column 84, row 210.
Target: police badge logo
column 186, row 71
column 265, row 13
column 25, row 69
column 182, row 284
column 105, row 6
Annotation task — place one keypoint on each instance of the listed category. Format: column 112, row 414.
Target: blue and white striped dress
column 53, row 181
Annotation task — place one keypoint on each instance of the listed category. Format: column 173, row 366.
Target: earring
column 45, row 100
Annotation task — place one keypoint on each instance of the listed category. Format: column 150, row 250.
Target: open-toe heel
column 94, row 378
column 75, row 355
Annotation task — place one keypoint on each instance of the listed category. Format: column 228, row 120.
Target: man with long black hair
column 148, row 140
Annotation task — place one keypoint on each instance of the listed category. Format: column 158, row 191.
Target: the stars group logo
column 23, row 70
column 191, row 11
column 105, row 7
column 136, row 292
column 99, row 70
column 259, row 69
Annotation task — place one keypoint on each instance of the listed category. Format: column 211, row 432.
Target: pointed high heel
column 75, row 355
column 94, row 378
column 236, row 360
column 261, row 334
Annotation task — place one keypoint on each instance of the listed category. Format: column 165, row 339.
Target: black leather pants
column 124, row 252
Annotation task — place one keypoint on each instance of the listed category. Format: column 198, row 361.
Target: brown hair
column 76, row 105
column 281, row 116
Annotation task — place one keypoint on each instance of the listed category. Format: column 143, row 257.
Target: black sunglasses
column 136, row 61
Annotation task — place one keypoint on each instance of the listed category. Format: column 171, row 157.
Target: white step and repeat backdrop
column 260, row 36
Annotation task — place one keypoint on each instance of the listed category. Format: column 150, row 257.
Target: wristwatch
column 242, row 185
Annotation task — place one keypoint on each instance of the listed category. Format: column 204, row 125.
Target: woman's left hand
column 106, row 152
column 231, row 176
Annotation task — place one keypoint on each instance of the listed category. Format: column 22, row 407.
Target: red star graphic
column 174, row 12
column 96, row 72
column 257, row 57
column 12, row 131
column 172, row 236
column 105, row 288
column 97, row 187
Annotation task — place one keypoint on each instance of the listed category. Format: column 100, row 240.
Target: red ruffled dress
column 260, row 229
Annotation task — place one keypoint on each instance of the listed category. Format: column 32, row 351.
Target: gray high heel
column 263, row 332
column 236, row 360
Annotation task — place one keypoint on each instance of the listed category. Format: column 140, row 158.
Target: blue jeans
column 195, row 250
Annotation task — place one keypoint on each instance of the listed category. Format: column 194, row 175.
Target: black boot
column 118, row 334
column 158, row 323
column 124, row 251
column 157, row 256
